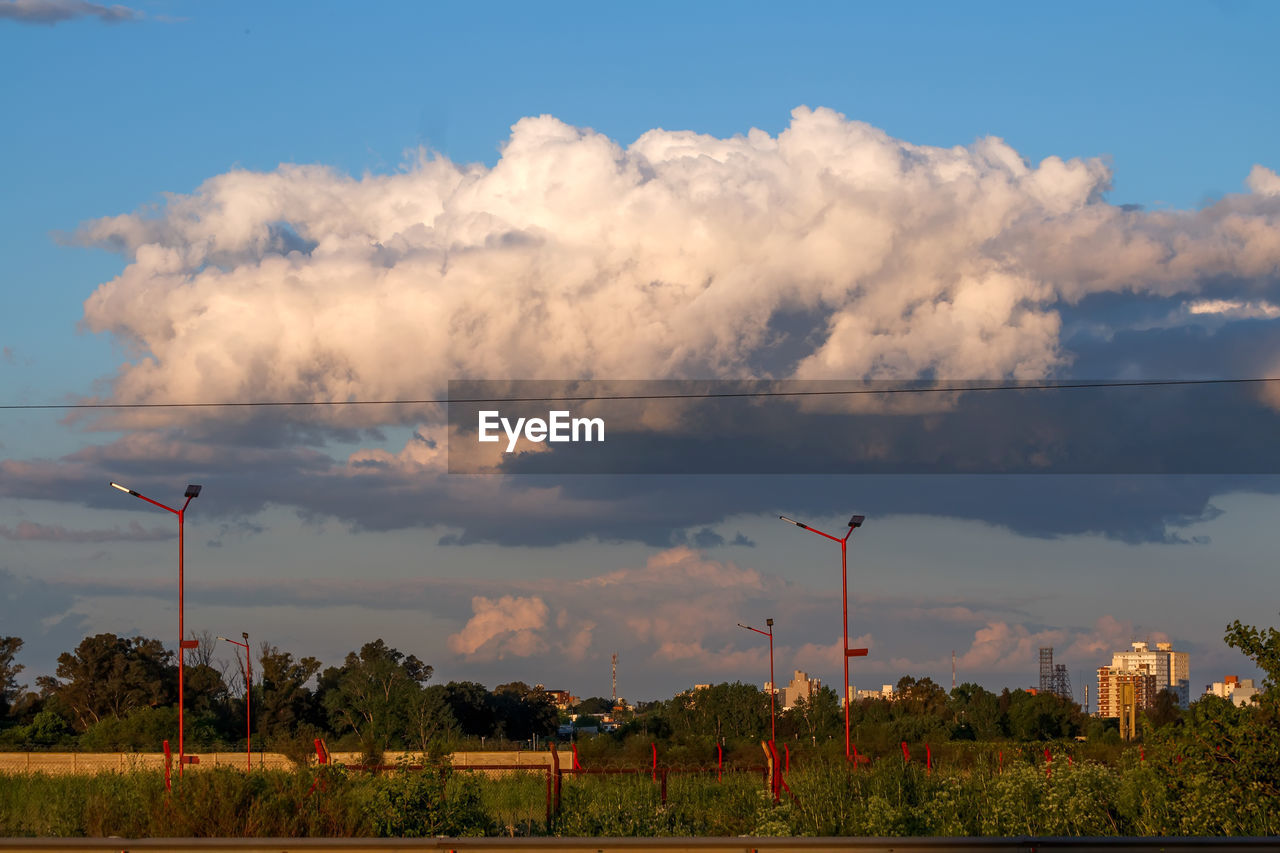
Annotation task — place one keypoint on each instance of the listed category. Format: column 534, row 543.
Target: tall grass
column 977, row 798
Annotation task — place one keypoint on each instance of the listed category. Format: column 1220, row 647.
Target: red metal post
column 248, row 697
column 559, row 778
column 773, row 691
column 773, row 685
column 168, row 763
column 844, row 618
column 854, row 522
column 183, row 645
column 248, row 704
column 182, row 654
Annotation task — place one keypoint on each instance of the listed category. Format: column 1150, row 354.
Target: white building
column 885, row 692
column 1239, row 690
column 1172, row 670
column 801, row 686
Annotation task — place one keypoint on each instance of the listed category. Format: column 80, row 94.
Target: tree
column 109, row 676
column 1165, row 710
column 472, row 706
column 1260, row 646
column 9, row 687
column 817, row 716
column 722, row 710
column 1043, row 716
column 430, row 718
column 373, row 694
column 594, row 705
column 977, row 712
column 284, row 702
column 524, row 711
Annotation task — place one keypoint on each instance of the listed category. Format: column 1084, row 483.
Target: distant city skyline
column 317, row 204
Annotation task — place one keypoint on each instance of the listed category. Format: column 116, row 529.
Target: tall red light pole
column 190, row 494
column 248, row 697
column 854, row 523
column 773, row 728
column 773, row 685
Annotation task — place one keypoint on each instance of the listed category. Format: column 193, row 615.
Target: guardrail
column 631, row 845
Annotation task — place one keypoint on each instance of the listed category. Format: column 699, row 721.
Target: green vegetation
column 120, row 694
column 1163, row 789
column 1011, row 763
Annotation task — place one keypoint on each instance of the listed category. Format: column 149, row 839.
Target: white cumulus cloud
column 680, row 255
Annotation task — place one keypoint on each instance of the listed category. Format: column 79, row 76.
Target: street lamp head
column 793, row 521
column 769, row 622
column 224, row 639
column 244, row 634
column 124, row 489
column 857, row 520
column 192, row 492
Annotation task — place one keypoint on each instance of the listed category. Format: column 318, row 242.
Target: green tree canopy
column 284, row 701
column 1262, row 646
column 9, row 687
column 109, row 676
column 373, row 694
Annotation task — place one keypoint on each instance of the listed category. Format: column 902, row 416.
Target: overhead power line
column 692, row 395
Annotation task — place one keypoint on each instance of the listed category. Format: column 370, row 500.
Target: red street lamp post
column 248, row 697
column 854, row 523
column 773, row 692
column 773, row 689
column 190, row 494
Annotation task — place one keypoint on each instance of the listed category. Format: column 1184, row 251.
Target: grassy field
column 1084, row 798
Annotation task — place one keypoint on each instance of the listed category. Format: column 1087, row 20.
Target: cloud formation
column 29, row 531
column 636, row 603
column 51, row 12
column 830, row 251
column 509, row 626
column 673, row 620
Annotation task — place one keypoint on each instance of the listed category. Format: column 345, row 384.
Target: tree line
column 120, row 693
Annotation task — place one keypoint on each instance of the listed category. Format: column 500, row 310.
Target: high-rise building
column 1170, row 670
column 801, row 686
column 1109, row 693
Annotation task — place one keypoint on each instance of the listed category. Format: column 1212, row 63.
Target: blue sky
column 1167, row 108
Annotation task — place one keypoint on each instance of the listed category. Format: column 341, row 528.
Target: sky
column 309, row 203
